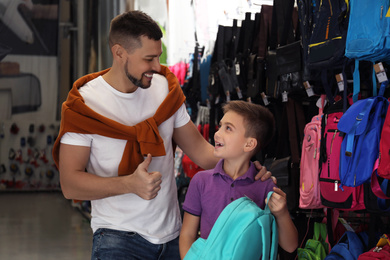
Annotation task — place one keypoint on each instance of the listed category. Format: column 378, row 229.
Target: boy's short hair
column 259, row 122
column 127, row 28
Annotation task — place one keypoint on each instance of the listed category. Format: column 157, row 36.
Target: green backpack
column 242, row 231
column 316, row 248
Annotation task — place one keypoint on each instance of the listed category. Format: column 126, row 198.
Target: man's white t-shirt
column 157, row 220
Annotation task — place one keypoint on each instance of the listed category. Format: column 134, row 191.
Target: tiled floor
column 42, row 226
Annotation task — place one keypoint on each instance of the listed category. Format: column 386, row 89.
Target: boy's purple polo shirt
column 212, row 190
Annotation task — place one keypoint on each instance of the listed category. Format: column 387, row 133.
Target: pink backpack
column 309, row 188
column 347, row 198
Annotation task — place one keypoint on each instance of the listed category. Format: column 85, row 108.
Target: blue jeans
column 118, row 245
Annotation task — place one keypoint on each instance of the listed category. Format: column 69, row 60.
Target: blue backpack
column 349, row 246
column 368, row 30
column 242, row 231
column 368, row 36
column 362, row 123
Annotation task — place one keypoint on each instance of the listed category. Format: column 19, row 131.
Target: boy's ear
column 250, row 144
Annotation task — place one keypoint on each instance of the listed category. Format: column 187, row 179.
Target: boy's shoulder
column 203, row 175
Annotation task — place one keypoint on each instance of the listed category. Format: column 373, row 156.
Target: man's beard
column 134, row 80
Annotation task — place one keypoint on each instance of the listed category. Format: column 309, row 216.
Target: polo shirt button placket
column 232, row 185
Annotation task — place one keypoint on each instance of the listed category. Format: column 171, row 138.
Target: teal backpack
column 242, row 231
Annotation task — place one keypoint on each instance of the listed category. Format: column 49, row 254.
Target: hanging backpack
column 384, row 149
column 368, row 30
column 348, row 198
column 309, row 188
column 362, row 123
column 376, row 254
column 316, row 248
column 324, row 27
column 377, row 199
column 380, row 252
column 327, row 41
column 242, row 231
column 367, row 36
column 349, row 246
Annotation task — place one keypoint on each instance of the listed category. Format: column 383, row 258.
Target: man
column 115, row 146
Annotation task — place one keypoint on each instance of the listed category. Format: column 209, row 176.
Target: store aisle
column 42, row 225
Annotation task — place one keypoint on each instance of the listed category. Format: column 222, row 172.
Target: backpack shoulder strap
column 270, row 247
column 356, row 82
column 376, row 188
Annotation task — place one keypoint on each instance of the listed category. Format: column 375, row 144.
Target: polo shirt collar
column 250, row 174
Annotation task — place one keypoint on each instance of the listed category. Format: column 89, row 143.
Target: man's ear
column 250, row 145
column 118, row 51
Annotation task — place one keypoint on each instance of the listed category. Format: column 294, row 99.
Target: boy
column 244, row 129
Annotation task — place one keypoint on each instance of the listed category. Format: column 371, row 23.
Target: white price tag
column 237, row 69
column 265, row 99
column 308, row 88
column 340, row 85
column 309, row 92
column 239, row 93
column 380, row 72
column 284, row 96
column 217, row 100
column 340, row 81
column 319, row 103
column 382, row 77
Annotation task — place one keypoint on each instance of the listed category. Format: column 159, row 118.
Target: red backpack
column 346, row 198
column 384, row 149
column 381, row 251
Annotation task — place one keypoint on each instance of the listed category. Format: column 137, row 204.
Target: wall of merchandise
column 25, row 152
column 29, row 79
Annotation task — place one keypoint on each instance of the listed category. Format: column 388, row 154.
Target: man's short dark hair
column 127, row 28
column 259, row 122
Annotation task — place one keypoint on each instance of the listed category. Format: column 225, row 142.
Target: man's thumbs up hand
column 146, row 184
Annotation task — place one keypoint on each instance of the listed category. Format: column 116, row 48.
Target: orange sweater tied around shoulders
column 143, row 138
